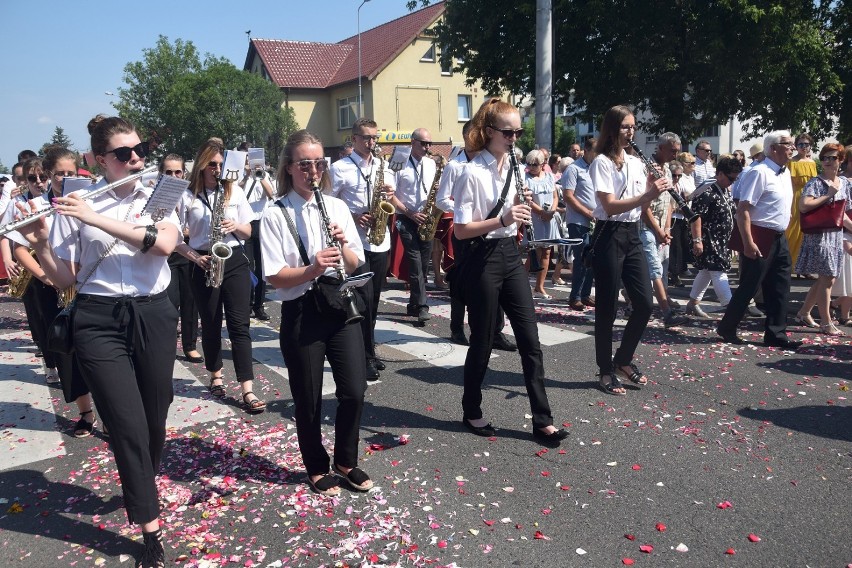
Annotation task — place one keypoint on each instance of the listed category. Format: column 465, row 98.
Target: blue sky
column 59, row 58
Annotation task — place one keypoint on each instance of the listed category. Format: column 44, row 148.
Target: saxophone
column 380, row 208
column 18, row 285
column 219, row 250
column 432, row 212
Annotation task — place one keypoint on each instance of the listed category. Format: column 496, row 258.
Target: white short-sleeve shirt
column 280, row 250
column 195, row 212
column 479, row 188
column 125, row 271
column 414, row 181
column 352, row 181
column 769, row 190
column 450, row 174
column 607, row 178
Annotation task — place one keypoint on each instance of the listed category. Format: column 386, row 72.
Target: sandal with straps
column 635, row 376
column 612, row 387
column 357, row 478
column 217, row 391
column 254, row 406
column 83, row 428
column 328, row 485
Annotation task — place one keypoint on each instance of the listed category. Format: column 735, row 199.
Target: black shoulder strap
column 502, row 201
column 295, row 233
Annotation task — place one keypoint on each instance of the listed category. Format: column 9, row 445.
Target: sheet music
column 234, row 165
column 165, row 196
column 399, row 157
column 72, row 184
column 256, row 159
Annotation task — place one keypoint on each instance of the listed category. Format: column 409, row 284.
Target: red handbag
column 824, row 219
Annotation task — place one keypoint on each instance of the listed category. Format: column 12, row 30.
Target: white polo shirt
column 280, row 250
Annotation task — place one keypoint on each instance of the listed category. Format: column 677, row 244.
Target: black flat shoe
column 192, row 359
column 458, row 338
column 731, row 338
column 503, row 343
column 553, row 439
column 486, row 431
column 372, row 371
column 380, row 365
column 785, row 344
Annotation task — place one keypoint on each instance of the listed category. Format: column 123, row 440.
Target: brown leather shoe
column 590, row 301
column 577, row 305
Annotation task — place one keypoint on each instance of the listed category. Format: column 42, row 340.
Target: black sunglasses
column 123, row 153
column 305, row 165
column 508, row 132
column 33, row 178
column 424, row 142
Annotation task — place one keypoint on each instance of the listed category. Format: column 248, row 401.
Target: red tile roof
column 315, row 65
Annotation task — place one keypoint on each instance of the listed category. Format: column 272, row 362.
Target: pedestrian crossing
column 28, row 420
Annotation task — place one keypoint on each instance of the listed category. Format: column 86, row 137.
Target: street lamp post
column 360, row 101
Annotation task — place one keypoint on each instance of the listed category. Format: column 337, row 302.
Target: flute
column 681, row 203
column 48, row 211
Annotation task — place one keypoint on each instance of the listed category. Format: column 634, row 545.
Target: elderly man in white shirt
column 704, row 168
column 763, row 213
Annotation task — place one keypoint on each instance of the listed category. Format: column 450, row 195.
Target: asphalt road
column 731, row 456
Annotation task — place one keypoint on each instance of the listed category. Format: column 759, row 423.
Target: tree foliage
column 561, row 144
column 59, row 138
column 174, row 95
column 690, row 64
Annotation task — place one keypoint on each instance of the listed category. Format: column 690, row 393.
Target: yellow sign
column 388, row 137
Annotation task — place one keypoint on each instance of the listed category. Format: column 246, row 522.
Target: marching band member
column 307, row 335
column 58, row 163
column 123, row 322
column 622, row 190
column 413, row 183
column 180, row 286
column 492, row 273
column 352, row 180
column 197, row 209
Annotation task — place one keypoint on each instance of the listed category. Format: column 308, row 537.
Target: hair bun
column 93, row 124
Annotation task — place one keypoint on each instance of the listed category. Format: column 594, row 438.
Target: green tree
column 59, row 138
column 4, row 169
column 564, row 137
column 176, row 97
column 840, row 22
column 690, row 64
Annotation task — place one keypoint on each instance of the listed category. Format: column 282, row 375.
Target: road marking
column 190, row 407
column 27, row 420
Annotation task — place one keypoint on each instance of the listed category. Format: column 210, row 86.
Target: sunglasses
column 424, row 143
column 64, row 174
column 508, row 132
column 688, row 163
column 33, row 178
column 124, row 153
column 305, row 165
column 214, row 165
column 829, row 159
column 803, row 145
column 366, row 136
column 533, row 164
column 677, row 176
column 175, row 173
column 703, row 149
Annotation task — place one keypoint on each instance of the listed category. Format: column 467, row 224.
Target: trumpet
column 48, row 211
column 679, row 201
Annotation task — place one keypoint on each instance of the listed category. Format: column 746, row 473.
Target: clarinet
column 529, row 232
column 681, row 203
column 352, row 313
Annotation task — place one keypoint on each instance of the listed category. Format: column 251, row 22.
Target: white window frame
column 469, row 104
column 346, row 104
column 429, row 56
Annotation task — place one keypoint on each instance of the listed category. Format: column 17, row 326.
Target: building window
column 464, row 107
column 712, row 132
column 346, row 114
column 429, row 56
column 651, row 139
column 447, row 68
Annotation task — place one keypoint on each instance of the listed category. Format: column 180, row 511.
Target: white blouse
column 607, row 178
column 348, row 184
column 478, row 189
column 125, row 271
column 279, row 249
column 195, row 212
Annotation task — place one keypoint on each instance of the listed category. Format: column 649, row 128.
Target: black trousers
column 307, row 339
column 33, row 300
column 252, row 245
column 772, row 274
column 125, row 348
column 457, row 302
column 182, row 298
column 494, row 276
column 377, row 263
column 680, row 251
column 417, row 254
column 619, row 258
column 233, row 297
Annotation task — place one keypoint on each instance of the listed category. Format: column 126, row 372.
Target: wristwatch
column 696, row 239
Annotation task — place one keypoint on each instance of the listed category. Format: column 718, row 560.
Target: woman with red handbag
column 822, row 252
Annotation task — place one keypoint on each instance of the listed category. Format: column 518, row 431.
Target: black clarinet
column 529, row 232
column 680, row 201
column 352, row 313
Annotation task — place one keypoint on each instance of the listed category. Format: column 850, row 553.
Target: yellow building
column 404, row 84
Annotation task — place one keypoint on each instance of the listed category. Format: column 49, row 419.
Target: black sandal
column 636, row 376
column 611, row 386
column 84, row 428
column 217, row 391
column 327, row 485
column 356, row 478
column 255, row 406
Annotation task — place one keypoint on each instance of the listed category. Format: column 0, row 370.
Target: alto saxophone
column 18, row 285
column 219, row 250
column 380, row 208
column 430, row 209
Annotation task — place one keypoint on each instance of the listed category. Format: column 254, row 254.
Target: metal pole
column 544, row 74
column 360, row 99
